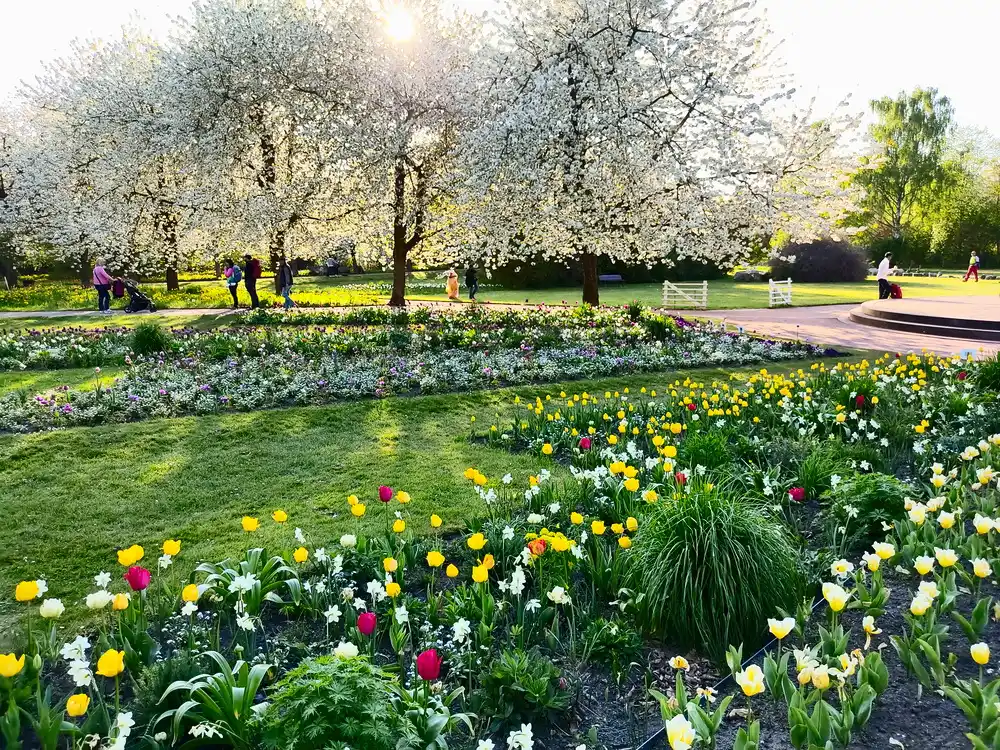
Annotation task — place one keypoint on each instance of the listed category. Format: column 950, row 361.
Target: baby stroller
column 895, row 291
column 137, row 301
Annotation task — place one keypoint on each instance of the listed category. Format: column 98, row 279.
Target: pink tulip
column 797, row 494
column 385, row 493
column 137, row 578
column 585, row 443
column 367, row 622
column 429, row 665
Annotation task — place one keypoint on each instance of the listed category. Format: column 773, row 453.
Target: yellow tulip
column 884, row 550
column 111, row 663
column 624, row 542
column 279, row 516
column 480, row 574
column 780, row 628
column 172, row 547
column 9, row 665
column 352, row 500
column 835, row 596
column 612, row 439
column 476, row 542
column 547, row 449
column 190, row 593
column 631, row 524
column 981, row 568
column 250, row 523
column 946, row 520
column 617, row 528
column 597, row 528
column 300, row 555
column 120, row 602
column 435, row 521
column 392, row 589
column 945, row 557
column 390, row 564
column 632, row 484
column 920, row 604
column 751, row 680
column 980, row 653
column 77, row 705
column 435, row 559
column 399, row 525
column 25, row 591
column 451, row 571
column 575, row 518
column 488, row 562
column 820, row 677
column 403, row 497
column 924, row 564
column 358, row 510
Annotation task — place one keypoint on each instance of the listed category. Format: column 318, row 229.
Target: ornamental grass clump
column 710, row 568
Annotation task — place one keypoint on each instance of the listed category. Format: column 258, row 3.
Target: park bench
column 611, row 278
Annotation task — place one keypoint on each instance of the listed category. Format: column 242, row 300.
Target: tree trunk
column 9, row 273
column 591, row 295
column 173, row 283
column 275, row 253
column 217, row 268
column 398, row 298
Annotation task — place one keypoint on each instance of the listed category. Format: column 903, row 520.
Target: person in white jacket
column 883, row 276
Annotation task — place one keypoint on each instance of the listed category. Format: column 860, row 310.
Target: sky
column 865, row 48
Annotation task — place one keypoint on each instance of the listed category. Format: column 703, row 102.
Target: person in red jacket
column 251, row 272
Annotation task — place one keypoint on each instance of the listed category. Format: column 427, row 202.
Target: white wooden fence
column 687, row 294
column 780, row 293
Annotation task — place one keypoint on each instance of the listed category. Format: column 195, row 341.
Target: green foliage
column 613, row 642
column 862, row 503
column 820, row 261
column 224, row 699
column 150, row 338
column 712, row 568
column 522, row 687
column 427, row 719
column 816, row 471
column 330, row 700
column 708, row 449
column 988, row 374
column 153, row 682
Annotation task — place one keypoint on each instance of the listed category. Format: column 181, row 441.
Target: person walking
column 251, row 272
column 102, row 283
column 973, row 267
column 451, row 285
column 472, row 282
column 884, row 288
column 233, row 277
column 285, row 277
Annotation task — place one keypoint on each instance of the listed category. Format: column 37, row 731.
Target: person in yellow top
column 451, row 286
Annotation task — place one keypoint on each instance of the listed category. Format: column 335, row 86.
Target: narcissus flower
column 751, row 680
column 680, row 733
column 980, row 653
column 250, row 523
column 77, row 705
column 476, row 542
column 946, row 557
column 780, row 628
column 10, row 665
column 111, row 663
column 435, row 559
column 451, row 571
column 25, row 591
column 172, row 547
column 679, row 662
column 597, row 528
column 835, row 596
column 399, row 525
column 300, row 555
column 190, row 593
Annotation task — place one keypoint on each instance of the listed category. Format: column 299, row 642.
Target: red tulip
column 680, row 477
column 798, row 494
column 692, row 407
column 429, row 665
column 385, row 493
column 963, row 375
column 537, row 546
column 585, row 443
column 137, row 578
column 859, row 400
column 367, row 622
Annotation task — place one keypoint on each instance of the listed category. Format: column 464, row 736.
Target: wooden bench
column 610, row 278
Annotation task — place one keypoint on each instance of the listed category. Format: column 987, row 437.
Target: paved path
column 829, row 325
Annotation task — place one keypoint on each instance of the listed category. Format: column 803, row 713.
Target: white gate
column 780, row 293
column 687, row 294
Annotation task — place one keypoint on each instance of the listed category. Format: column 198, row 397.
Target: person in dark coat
column 472, row 282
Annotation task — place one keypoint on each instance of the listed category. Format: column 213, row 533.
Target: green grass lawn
column 726, row 294
column 37, row 381
column 72, row 497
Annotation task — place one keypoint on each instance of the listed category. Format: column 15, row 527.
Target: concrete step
column 922, row 324
column 939, row 317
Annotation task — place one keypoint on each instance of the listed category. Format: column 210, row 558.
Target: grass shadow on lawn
column 72, row 497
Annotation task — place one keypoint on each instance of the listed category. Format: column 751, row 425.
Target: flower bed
column 258, row 368
column 700, row 520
